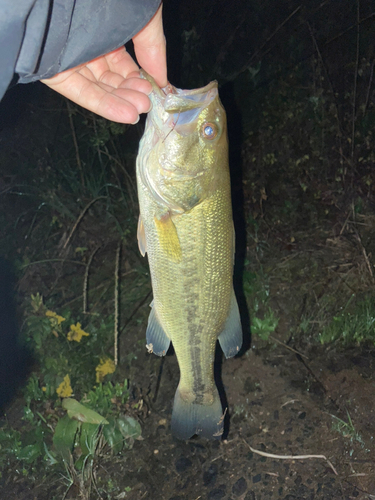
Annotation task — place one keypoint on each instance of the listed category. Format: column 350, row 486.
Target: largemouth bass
column 186, row 228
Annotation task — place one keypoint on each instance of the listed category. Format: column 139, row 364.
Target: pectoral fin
column 141, row 237
column 168, row 237
column 231, row 337
column 157, row 340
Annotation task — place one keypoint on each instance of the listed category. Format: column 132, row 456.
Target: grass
column 58, row 431
column 347, row 429
column 75, row 380
column 256, row 288
column 305, row 149
column 354, row 325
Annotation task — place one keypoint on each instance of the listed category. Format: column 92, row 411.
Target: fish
column 186, row 228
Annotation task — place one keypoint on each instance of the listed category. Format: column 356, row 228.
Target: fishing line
column 174, row 126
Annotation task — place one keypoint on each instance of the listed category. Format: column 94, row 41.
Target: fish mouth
column 174, row 115
column 178, row 109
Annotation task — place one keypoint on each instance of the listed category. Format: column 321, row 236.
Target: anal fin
column 157, row 340
column 231, row 337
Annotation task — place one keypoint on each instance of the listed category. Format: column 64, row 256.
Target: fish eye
column 209, row 130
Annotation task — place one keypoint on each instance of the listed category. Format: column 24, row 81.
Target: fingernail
column 136, row 121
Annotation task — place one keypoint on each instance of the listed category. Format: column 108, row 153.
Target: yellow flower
column 76, row 333
column 54, row 318
column 65, row 389
column 105, row 367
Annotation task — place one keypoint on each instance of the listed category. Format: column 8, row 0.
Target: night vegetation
column 297, row 80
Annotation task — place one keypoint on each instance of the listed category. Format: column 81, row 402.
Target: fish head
column 184, row 146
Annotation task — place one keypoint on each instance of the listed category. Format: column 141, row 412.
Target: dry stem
column 80, row 218
column 86, row 280
column 291, row 457
column 117, row 275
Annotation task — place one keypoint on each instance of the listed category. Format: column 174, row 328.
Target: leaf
column 64, row 436
column 129, row 427
column 113, row 436
column 81, row 413
column 30, row 452
column 50, row 457
column 89, row 438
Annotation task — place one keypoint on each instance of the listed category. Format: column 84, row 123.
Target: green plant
column 78, row 438
column 26, row 446
column 107, row 398
column 352, row 327
column 347, row 429
column 263, row 319
column 263, row 327
column 83, row 429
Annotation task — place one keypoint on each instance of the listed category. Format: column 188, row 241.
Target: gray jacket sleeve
column 39, row 38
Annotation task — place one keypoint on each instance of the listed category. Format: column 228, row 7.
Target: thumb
column 150, row 49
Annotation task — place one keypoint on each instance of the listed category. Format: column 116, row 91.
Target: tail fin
column 189, row 418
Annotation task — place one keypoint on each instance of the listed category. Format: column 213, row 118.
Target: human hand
column 110, row 85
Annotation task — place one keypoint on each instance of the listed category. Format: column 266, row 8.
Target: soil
column 282, row 400
column 284, row 395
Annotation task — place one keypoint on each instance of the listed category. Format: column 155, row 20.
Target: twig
column 86, row 280
column 291, row 401
column 276, row 31
column 327, row 77
column 368, row 264
column 46, row 261
column 117, row 275
column 345, row 223
column 104, row 283
column 131, row 187
column 256, row 53
column 145, row 298
column 369, row 87
column 80, row 218
column 287, row 347
column 355, row 83
column 78, row 158
column 291, row 457
column 346, row 30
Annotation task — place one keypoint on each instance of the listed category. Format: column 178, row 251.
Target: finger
column 138, row 84
column 119, row 61
column 138, row 99
column 121, row 105
column 107, row 77
column 134, row 83
column 150, row 49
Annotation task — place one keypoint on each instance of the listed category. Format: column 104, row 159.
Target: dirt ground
column 284, row 395
column 282, row 401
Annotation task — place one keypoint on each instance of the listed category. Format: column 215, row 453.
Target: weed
column 265, row 326
column 352, row 327
column 77, row 439
column 105, row 397
column 347, row 429
column 263, row 320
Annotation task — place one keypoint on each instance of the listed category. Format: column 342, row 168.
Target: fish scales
column 187, row 230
